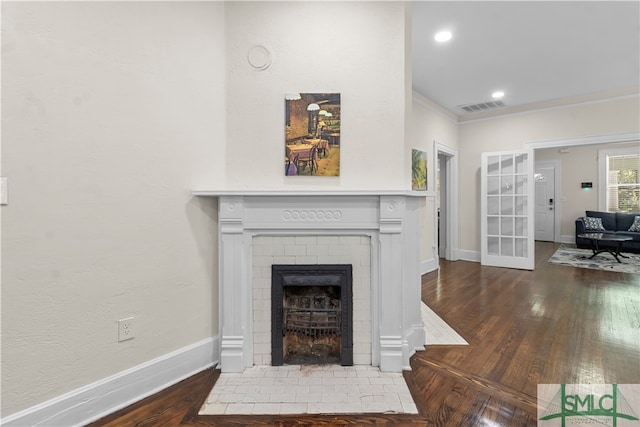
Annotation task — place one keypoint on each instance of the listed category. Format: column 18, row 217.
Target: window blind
column 623, row 183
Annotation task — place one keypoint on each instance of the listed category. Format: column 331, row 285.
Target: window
column 620, row 191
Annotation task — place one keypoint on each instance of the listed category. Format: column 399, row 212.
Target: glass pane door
column 506, row 226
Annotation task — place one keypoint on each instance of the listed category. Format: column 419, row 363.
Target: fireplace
column 387, row 326
column 311, row 308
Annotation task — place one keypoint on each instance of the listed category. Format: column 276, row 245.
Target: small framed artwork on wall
column 312, row 134
column 418, row 170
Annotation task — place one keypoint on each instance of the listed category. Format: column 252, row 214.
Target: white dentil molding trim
column 101, row 398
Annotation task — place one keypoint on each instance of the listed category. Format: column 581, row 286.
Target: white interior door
column 545, row 203
column 507, row 209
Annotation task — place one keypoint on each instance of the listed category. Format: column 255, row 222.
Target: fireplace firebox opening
column 311, row 308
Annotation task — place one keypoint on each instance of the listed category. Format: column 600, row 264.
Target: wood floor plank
column 480, row 384
column 556, row 324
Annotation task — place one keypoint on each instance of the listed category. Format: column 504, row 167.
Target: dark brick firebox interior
column 311, row 314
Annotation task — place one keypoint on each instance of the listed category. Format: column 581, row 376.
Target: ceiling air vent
column 482, row 106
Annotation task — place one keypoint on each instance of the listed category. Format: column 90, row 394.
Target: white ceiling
column 534, row 51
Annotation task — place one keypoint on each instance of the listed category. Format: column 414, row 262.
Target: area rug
column 574, row 257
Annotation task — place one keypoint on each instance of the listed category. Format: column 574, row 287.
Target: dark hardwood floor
column 553, row 325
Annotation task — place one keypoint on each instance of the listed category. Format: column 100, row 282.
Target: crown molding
column 617, row 138
column 425, row 102
column 556, row 104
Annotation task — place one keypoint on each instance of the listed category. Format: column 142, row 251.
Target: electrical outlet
column 4, row 200
column 125, row 329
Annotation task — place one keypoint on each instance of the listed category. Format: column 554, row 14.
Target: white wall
column 354, row 48
column 511, row 132
column 112, row 113
column 430, row 124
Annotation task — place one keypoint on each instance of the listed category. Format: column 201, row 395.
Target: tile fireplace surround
column 390, row 222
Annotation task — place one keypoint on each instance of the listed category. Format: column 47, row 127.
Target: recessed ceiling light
column 497, row 94
column 443, row 36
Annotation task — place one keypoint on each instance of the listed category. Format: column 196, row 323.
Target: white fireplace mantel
column 389, row 218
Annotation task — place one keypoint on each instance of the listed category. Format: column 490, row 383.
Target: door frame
column 441, row 171
column 557, row 193
column 615, row 138
column 450, row 202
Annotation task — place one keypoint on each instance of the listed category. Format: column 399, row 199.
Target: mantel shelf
column 350, row 193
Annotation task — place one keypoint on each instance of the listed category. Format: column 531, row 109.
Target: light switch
column 4, row 198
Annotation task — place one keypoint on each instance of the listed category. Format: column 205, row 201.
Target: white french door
column 507, row 209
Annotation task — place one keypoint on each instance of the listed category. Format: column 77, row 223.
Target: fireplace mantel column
column 401, row 330
column 391, row 214
column 234, row 300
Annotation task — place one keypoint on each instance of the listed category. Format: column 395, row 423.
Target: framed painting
column 312, row 134
column 418, row 170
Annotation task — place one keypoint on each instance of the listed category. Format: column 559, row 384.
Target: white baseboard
column 570, row 239
column 415, row 341
column 475, row 256
column 428, row 266
column 103, row 397
column 469, row 255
